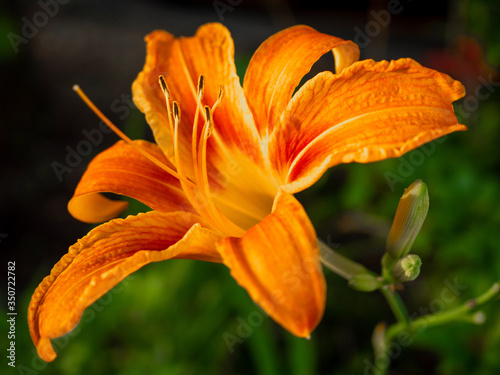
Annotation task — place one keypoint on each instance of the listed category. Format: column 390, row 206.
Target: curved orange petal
column 277, row 261
column 104, row 257
column 147, row 95
column 279, row 64
column 181, row 61
column 123, row 170
column 369, row 112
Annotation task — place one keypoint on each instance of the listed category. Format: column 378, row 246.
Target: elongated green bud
column 365, row 282
column 410, row 215
column 407, row 268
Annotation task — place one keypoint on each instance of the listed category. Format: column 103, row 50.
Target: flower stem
column 396, row 304
column 443, row 317
column 418, row 325
column 339, row 264
column 379, row 340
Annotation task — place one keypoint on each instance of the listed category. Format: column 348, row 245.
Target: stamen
column 209, row 121
column 122, row 135
column 164, row 87
column 204, row 204
column 166, row 92
column 200, row 204
column 219, row 98
column 194, row 134
column 187, row 189
column 201, row 88
column 201, row 199
column 204, row 186
column 177, row 113
column 177, row 121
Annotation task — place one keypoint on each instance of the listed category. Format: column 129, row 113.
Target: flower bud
column 407, row 268
column 364, row 282
column 478, row 318
column 410, row 215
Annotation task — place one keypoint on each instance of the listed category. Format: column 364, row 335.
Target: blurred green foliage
column 175, row 317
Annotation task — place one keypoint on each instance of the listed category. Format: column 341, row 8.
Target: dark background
column 171, row 317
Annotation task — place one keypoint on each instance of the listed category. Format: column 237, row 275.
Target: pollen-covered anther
column 164, row 87
column 220, row 95
column 177, row 112
column 210, row 123
column 201, row 87
column 166, row 92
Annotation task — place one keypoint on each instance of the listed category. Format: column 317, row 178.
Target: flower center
column 198, row 192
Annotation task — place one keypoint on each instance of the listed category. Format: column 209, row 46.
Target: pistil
column 124, row 137
column 197, row 191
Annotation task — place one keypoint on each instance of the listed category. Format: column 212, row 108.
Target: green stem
column 396, row 304
column 339, row 264
column 379, row 340
column 444, row 317
column 388, row 263
column 426, row 321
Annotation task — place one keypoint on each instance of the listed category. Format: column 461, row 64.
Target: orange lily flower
column 227, row 160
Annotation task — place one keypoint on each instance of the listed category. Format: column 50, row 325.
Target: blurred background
column 176, row 317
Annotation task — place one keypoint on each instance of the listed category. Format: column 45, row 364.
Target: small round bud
column 365, row 282
column 478, row 318
column 407, row 268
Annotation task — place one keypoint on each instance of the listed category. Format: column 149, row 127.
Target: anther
column 210, row 125
column 177, row 112
column 220, row 95
column 201, row 86
column 164, row 87
column 207, row 112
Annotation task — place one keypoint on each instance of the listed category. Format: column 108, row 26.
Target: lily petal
column 181, row 61
column 104, row 257
column 279, row 64
column 277, row 261
column 123, row 170
column 369, row 112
